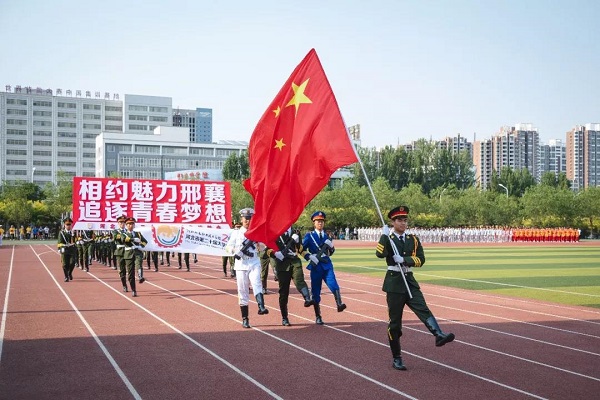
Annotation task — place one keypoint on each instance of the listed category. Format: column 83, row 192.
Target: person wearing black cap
column 247, row 267
column 133, row 254
column 319, row 248
column 289, row 267
column 403, row 252
column 67, row 249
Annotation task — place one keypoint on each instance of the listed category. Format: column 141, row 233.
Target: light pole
column 442, row 194
column 32, row 172
column 505, row 188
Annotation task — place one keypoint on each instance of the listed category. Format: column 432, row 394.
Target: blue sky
column 401, row 69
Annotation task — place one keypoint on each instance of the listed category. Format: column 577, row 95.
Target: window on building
column 42, row 143
column 113, row 108
column 39, row 103
column 134, row 127
column 159, row 109
column 133, row 107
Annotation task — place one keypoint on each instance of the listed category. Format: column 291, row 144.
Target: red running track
column 182, row 338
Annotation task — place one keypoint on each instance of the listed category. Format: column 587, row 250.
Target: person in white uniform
column 247, row 267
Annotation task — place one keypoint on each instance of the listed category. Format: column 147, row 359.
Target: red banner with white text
column 98, row 202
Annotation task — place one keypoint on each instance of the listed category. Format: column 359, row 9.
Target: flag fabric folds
column 299, row 142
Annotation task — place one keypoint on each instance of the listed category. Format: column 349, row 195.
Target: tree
column 59, row 197
column 236, row 168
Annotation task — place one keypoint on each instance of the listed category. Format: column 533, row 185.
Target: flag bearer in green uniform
column 402, row 252
column 67, row 249
column 133, row 254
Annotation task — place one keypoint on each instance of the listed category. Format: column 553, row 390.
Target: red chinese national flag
column 299, row 142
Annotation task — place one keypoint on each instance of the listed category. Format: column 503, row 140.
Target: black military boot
column 307, row 300
column 66, row 275
column 141, row 275
column 396, row 353
column 338, row 300
column 245, row 320
column 124, row 282
column 318, row 320
column 284, row 314
column 133, row 291
column 441, row 338
column 261, row 304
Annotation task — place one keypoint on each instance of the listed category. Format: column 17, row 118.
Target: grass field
column 566, row 275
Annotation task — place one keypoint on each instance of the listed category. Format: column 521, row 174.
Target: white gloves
column 398, row 259
column 239, row 255
column 313, row 259
column 296, row 238
column 137, row 240
column 386, row 230
column 328, row 243
column 279, row 255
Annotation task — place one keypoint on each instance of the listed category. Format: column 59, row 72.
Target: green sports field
column 560, row 274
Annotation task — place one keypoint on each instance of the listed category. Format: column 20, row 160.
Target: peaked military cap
column 68, row 220
column 318, row 215
column 122, row 218
column 130, row 219
column 400, row 211
column 247, row 212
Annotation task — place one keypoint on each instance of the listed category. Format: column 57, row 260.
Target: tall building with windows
column 516, row 147
column 583, row 156
column 44, row 132
column 159, row 155
column 199, row 122
column 553, row 157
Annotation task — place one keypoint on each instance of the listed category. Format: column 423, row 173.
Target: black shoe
column 319, row 320
column 188, row 270
column 155, row 269
column 246, row 323
column 179, row 267
column 125, row 289
column 87, row 269
column 134, row 294
column 443, row 339
column 142, row 280
column 70, row 277
column 264, row 291
column 162, row 263
column 308, row 303
column 66, row 279
column 285, row 322
column 341, row 307
column 233, row 276
column 397, row 364
column 114, row 267
column 263, row 311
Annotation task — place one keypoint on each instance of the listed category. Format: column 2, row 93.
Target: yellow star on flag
column 299, row 96
column 277, row 111
column 279, row 144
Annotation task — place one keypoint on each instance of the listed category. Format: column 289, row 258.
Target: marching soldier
column 118, row 235
column 67, row 249
column 289, row 267
column 247, row 267
column 84, row 246
column 402, row 252
column 319, row 247
column 133, row 254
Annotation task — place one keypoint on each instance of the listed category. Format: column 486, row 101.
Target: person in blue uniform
column 403, row 252
column 318, row 249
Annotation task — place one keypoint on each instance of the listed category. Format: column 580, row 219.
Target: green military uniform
column 288, row 267
column 411, row 253
column 133, row 255
column 67, row 249
column 84, row 246
column 265, row 263
column 118, row 236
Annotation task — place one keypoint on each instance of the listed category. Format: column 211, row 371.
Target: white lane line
column 459, row 341
column 107, row 354
column 354, row 335
column 484, row 314
column 376, row 382
column 198, row 344
column 475, row 280
column 5, row 308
